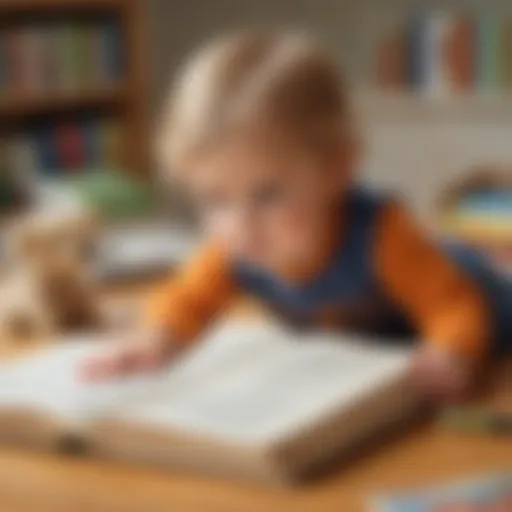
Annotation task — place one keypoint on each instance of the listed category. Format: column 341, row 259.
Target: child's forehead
column 258, row 157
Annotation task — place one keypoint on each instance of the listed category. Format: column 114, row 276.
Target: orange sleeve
column 445, row 305
column 191, row 298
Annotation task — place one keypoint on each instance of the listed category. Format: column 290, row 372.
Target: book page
column 47, row 380
column 244, row 383
column 266, row 383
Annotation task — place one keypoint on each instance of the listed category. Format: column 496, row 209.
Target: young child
column 260, row 131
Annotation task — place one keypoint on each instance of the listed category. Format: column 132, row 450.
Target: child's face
column 265, row 204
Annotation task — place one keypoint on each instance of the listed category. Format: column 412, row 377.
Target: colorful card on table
column 492, row 493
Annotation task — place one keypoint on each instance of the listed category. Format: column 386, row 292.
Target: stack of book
column 56, row 147
column 442, row 53
column 479, row 212
column 56, row 57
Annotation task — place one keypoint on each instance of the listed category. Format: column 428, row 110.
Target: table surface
column 419, row 454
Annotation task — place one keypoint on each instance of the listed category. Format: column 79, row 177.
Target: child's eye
column 268, row 194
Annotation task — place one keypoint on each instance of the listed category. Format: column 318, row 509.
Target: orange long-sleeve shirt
column 446, row 307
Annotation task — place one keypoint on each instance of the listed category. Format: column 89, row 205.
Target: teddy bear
column 46, row 283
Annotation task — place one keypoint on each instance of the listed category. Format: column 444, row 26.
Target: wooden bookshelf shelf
column 30, row 6
column 115, row 30
column 399, row 106
column 29, row 105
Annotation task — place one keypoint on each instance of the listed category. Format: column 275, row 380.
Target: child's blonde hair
column 282, row 85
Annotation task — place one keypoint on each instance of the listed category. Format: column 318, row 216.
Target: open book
column 251, row 401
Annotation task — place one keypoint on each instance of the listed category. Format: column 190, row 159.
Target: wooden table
column 421, row 454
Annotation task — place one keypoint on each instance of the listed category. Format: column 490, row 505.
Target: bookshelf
column 120, row 100
column 26, row 105
column 38, row 6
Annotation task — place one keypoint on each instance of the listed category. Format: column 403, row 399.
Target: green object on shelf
column 113, row 195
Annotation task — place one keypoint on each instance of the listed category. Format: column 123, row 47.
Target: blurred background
column 81, row 88
column 82, row 82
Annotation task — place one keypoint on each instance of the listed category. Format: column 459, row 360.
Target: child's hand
column 442, row 374
column 143, row 352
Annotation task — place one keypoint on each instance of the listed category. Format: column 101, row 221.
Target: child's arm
column 448, row 308
column 179, row 311
column 445, row 305
column 188, row 301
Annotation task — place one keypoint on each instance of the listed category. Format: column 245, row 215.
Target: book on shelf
column 505, row 54
column 443, row 53
column 250, row 401
column 55, row 147
column 70, row 146
column 111, row 53
column 489, row 53
column 391, row 60
column 57, row 57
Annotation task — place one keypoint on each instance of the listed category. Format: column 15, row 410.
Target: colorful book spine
column 488, row 53
column 505, row 55
column 392, row 61
column 69, row 65
column 4, row 77
column 460, row 55
column 89, row 56
column 92, row 143
column 437, row 26
column 426, row 52
column 14, row 50
column 47, row 157
column 415, row 66
column 70, row 146
column 449, row 53
column 22, row 154
column 111, row 52
column 55, row 148
column 111, row 143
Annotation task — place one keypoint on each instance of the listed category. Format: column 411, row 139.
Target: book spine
column 488, row 54
column 4, row 75
column 95, row 46
column 91, row 133
column 420, row 50
column 460, row 55
column 69, row 78
column 15, row 49
column 435, row 26
column 22, row 154
column 70, row 147
column 33, row 59
column 89, row 56
column 111, row 143
column 44, row 142
column 448, row 23
column 505, row 55
column 392, row 61
column 111, row 53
